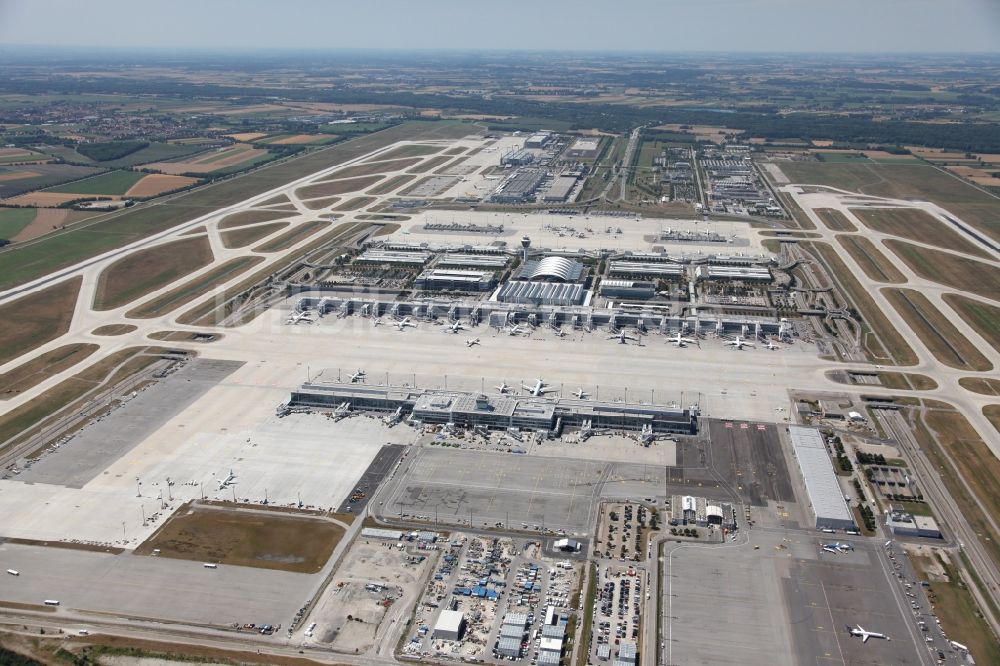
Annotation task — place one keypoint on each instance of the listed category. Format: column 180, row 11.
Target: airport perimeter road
column 949, row 513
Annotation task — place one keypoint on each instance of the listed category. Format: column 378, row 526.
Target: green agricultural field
column 156, row 152
column 910, row 180
column 113, row 183
column 61, row 249
column 13, row 220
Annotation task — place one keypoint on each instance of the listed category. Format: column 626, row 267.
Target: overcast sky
column 640, row 25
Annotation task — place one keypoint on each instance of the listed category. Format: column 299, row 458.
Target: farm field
column 948, row 269
column 115, row 230
column 156, row 151
column 21, row 156
column 46, row 220
column 835, row 220
column 297, row 139
column 246, row 137
column 334, row 187
column 147, row 270
column 248, row 235
column 44, row 199
column 267, row 539
column 15, row 180
column 875, row 265
column 193, row 289
column 290, row 238
column 915, row 224
column 33, row 320
column 214, row 160
column 37, row 370
column 982, row 317
column 112, row 183
column 937, row 333
column 14, row 220
column 245, row 217
column 887, row 345
column 911, row 181
column 155, row 184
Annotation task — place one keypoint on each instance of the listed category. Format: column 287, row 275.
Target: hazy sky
column 643, row 25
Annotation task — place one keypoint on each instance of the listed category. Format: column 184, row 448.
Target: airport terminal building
column 493, row 411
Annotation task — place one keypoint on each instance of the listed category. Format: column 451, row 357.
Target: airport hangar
column 826, row 500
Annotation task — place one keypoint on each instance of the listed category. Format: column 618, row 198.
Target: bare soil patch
column 31, row 321
column 317, row 204
column 145, row 271
column 948, row 269
column 247, row 235
column 246, row 136
column 937, row 333
column 875, row 264
column 254, row 538
column 981, row 385
column 46, row 199
column 290, row 238
column 113, row 329
column 335, row 187
column 250, row 217
column 40, row 368
column 915, row 224
column 834, row 219
column 984, row 318
column 157, row 183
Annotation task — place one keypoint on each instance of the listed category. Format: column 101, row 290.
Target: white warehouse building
column 825, row 496
column 449, row 625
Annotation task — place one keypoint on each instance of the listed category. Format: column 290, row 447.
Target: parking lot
column 448, row 486
column 622, row 532
column 617, row 612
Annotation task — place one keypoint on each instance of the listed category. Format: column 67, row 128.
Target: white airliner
column 502, row 388
column 515, row 330
column 581, row 394
column 296, row 317
column 473, row 341
column 377, row 321
column 622, row 337
column 226, row 482
column 838, row 546
column 538, row 389
column 454, row 328
column 772, row 346
column 680, row 341
column 357, row 376
column 739, row 343
column 403, row 323
column 865, row 635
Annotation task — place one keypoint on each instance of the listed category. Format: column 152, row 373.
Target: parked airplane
column 377, row 321
column 403, row 323
column 515, row 330
column 226, row 482
column 865, row 635
column 296, row 317
column 538, row 389
column 831, row 549
column 357, row 376
column 681, row 341
column 772, row 346
column 739, row 343
column 581, row 394
column 502, row 388
column 838, row 547
column 473, row 341
column 622, row 337
column 454, row 328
